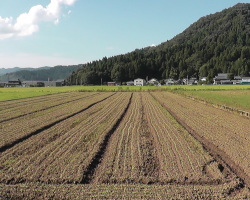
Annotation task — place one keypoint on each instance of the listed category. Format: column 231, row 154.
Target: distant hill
column 217, row 43
column 15, row 69
column 41, row 74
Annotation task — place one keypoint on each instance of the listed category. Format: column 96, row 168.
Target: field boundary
column 219, row 155
column 12, row 144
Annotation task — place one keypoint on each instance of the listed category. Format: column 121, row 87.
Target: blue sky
column 36, row 33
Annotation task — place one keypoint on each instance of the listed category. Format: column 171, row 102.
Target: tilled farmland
column 122, row 145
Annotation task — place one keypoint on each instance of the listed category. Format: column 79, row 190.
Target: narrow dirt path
column 149, row 155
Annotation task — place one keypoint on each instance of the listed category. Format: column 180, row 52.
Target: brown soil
column 227, row 165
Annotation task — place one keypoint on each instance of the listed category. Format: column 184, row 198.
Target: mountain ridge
column 15, row 69
column 41, row 73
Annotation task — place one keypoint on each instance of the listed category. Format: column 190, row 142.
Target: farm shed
column 111, row 84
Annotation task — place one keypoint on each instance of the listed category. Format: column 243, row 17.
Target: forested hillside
column 41, row 74
column 214, row 44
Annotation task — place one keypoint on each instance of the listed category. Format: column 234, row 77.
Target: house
column 191, row 81
column 222, row 78
column 16, row 83
column 169, row 82
column 139, row 82
column 130, row 83
column 154, row 82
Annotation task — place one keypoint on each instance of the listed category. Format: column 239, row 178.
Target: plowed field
column 123, row 145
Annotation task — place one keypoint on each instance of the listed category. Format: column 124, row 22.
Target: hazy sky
column 35, row 33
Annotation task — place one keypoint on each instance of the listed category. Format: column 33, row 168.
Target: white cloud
column 28, row 23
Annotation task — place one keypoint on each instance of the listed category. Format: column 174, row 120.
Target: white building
column 139, row 82
column 153, row 81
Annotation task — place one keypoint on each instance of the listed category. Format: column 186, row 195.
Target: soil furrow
column 43, row 109
column 88, row 175
column 12, row 144
column 226, row 164
column 8, row 104
column 150, row 160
